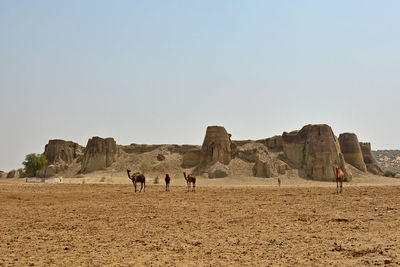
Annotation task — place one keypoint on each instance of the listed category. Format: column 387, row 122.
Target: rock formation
column 218, row 170
column 252, row 151
column 191, row 158
column 293, row 146
column 264, row 164
column 63, row 152
column 315, row 151
column 369, row 159
column 264, row 168
column 351, row 150
column 282, row 167
column 99, row 154
column 216, row 146
column 269, row 167
column 274, row 143
column 2, row 174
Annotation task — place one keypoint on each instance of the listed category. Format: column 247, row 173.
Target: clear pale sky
column 162, row 71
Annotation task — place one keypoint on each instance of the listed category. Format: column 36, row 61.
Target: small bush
column 156, row 180
column 103, row 179
column 389, row 174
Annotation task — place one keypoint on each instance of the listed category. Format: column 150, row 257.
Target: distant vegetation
column 389, row 174
column 34, row 162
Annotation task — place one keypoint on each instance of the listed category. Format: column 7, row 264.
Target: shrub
column 156, row 180
column 34, row 162
column 389, row 174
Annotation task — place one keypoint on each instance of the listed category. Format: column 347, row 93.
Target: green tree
column 34, row 162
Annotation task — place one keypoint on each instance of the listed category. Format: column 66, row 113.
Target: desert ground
column 226, row 222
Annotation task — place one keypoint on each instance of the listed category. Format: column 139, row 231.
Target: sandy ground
column 299, row 224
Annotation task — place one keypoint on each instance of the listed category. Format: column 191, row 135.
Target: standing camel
column 190, row 180
column 167, row 181
column 339, row 179
column 137, row 178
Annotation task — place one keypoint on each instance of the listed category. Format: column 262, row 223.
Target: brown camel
column 339, row 179
column 190, row 180
column 167, row 181
column 137, row 178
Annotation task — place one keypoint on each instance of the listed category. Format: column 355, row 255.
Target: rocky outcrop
column 259, row 154
column 282, row 167
column 62, row 152
column 369, row 159
column 191, row 158
column 293, row 147
column 218, row 170
column 2, row 174
column 99, row 154
column 216, row 146
column 251, row 151
column 268, row 167
column 351, row 150
column 264, row 164
column 264, row 168
column 315, row 151
column 274, row 143
column 322, row 153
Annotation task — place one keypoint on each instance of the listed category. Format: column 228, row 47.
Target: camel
column 190, row 180
column 339, row 179
column 137, row 178
column 167, row 180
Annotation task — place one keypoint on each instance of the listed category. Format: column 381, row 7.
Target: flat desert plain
column 110, row 225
